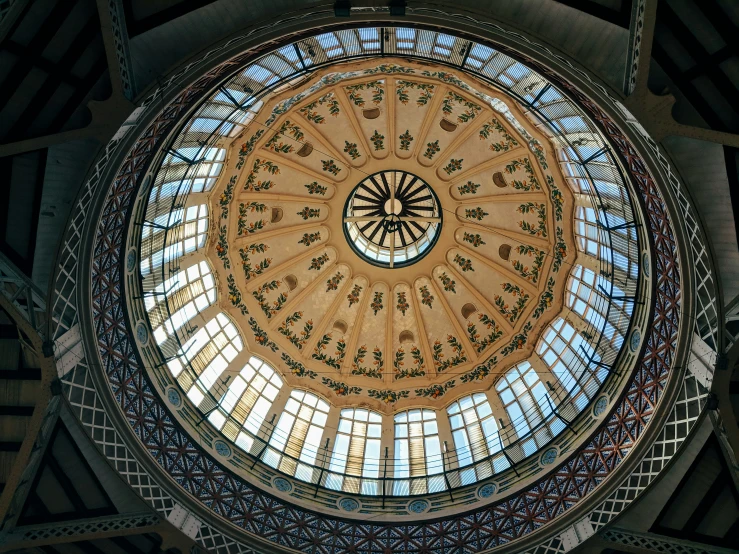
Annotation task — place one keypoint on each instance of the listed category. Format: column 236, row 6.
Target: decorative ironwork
column 82, row 527
column 247, row 507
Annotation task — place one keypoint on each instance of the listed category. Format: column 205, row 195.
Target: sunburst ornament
column 392, row 219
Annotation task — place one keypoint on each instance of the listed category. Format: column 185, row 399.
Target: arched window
column 586, row 296
column 179, row 298
column 417, row 453
column 620, row 250
column 356, row 452
column 247, row 400
column 178, row 178
column 475, row 434
column 527, row 402
column 188, row 229
column 587, row 232
column 209, row 351
column 227, row 98
column 566, row 352
column 297, row 436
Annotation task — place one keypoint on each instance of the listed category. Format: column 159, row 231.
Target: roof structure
column 420, row 279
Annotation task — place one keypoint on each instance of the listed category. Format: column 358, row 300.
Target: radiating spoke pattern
column 392, row 218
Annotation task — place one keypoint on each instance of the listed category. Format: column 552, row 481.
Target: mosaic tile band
column 254, row 510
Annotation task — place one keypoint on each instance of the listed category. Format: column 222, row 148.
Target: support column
column 445, row 438
column 115, row 40
column 641, row 36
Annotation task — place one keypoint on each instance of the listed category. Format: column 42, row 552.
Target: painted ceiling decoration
column 402, row 164
column 447, row 284
column 384, row 290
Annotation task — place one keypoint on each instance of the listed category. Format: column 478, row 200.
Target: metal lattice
column 659, row 544
column 85, row 399
column 80, row 528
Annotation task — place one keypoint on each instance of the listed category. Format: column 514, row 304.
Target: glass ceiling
column 466, row 439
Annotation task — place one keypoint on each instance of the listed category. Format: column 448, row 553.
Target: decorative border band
column 296, row 528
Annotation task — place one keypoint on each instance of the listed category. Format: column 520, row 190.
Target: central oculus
column 392, row 219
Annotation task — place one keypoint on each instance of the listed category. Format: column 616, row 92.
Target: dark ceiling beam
column 20, row 411
column 717, row 58
column 721, row 21
column 711, row 449
column 697, row 51
column 42, row 159
column 115, row 41
column 639, row 52
column 90, row 548
column 127, row 546
column 137, row 27
column 27, row 374
column 42, row 63
column 6, row 170
column 66, row 484
column 74, row 101
column 64, row 66
column 23, row 261
column 687, row 88
column 731, row 159
column 41, row 39
column 734, row 530
column 12, row 18
column 710, row 496
column 620, row 18
column 94, row 482
column 8, row 331
column 35, row 503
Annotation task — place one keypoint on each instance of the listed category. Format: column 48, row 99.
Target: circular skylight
column 392, row 218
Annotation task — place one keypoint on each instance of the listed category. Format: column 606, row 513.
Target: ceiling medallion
column 392, row 219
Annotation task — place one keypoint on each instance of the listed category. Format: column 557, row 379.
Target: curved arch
column 493, row 516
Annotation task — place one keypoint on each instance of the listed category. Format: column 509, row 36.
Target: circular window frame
column 550, row 524
column 395, row 265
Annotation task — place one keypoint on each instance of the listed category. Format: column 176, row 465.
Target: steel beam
column 34, row 536
column 639, row 54
column 115, row 39
column 648, row 543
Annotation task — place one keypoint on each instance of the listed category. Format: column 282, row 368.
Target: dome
column 387, row 278
column 389, row 281
column 367, row 277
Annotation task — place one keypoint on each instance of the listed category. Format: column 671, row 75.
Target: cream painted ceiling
column 391, row 337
